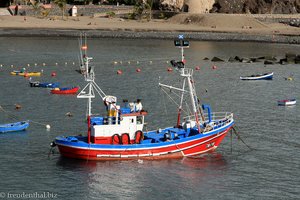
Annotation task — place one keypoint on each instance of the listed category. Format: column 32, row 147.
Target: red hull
column 178, row 150
column 70, row 91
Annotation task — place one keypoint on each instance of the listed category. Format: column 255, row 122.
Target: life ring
column 139, row 136
column 125, row 138
column 115, row 139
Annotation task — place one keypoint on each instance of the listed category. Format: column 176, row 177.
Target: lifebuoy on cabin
column 125, row 138
column 139, row 136
column 115, row 139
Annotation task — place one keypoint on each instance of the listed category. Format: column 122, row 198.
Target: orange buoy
column 184, row 61
column 170, row 69
column 197, row 68
column 138, row 70
column 119, row 72
column 53, row 74
column 25, row 74
column 214, row 67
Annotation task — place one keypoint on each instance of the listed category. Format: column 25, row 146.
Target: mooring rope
column 16, row 118
column 239, row 137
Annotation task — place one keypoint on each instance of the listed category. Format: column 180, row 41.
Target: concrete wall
column 82, row 10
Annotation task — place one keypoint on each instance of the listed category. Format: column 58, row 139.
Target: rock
column 170, row 5
column 290, row 58
column 297, row 59
column 196, row 6
column 216, row 59
column 257, row 6
column 283, row 61
column 190, row 6
column 269, row 62
column 231, row 59
column 246, row 60
column 238, row 58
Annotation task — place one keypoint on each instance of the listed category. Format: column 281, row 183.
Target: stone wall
column 82, row 10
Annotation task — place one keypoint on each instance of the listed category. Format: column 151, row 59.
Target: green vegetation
column 62, row 5
column 142, row 10
column 110, row 14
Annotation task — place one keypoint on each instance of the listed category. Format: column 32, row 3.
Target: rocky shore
column 200, row 36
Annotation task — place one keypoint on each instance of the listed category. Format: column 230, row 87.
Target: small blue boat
column 44, row 85
column 12, row 127
column 266, row 76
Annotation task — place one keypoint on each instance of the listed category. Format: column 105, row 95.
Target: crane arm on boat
column 172, row 88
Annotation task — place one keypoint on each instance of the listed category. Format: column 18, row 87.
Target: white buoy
column 28, row 65
column 115, row 62
column 48, row 126
column 44, row 64
column 56, row 63
column 66, row 63
column 140, row 161
column 35, row 64
column 73, row 63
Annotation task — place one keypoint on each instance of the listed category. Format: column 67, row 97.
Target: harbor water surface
column 269, row 170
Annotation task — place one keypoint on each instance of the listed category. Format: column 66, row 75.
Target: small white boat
column 266, row 76
column 287, row 102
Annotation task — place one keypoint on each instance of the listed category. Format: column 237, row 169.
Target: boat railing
column 215, row 116
column 186, row 72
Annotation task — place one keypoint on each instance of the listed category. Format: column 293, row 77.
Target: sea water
column 29, row 170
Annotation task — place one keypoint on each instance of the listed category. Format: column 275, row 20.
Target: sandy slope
column 182, row 22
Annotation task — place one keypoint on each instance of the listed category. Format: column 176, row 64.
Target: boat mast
column 181, row 43
column 187, row 73
column 88, row 92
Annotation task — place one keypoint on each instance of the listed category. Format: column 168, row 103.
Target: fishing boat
column 120, row 134
column 266, row 76
column 24, row 73
column 65, row 90
column 287, row 102
column 12, row 127
column 43, row 85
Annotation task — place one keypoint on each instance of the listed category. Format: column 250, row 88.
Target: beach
column 216, row 27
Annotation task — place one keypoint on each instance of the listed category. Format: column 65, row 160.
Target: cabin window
column 139, row 120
